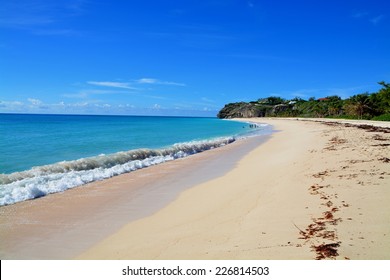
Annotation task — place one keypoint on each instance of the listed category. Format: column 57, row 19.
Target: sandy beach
column 311, row 190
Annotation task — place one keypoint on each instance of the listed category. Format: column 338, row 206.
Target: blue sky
column 187, row 57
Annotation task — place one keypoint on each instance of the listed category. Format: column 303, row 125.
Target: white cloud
column 158, row 82
column 174, row 84
column 79, row 104
column 147, row 81
column 103, row 105
column 111, row 84
column 35, row 102
column 86, row 93
column 11, row 104
column 128, row 85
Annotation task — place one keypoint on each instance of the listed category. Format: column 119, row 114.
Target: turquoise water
column 41, row 154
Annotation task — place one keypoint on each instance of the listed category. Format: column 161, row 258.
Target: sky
column 187, row 57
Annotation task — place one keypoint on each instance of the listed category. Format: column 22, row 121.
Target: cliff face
column 251, row 110
column 239, row 110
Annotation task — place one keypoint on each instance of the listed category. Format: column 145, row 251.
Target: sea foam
column 42, row 180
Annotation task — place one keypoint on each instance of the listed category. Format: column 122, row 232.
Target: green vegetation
column 375, row 106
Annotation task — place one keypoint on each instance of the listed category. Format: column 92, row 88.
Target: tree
column 384, row 98
column 358, row 105
column 335, row 105
column 275, row 100
column 319, row 109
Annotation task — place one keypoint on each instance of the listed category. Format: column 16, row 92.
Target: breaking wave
column 42, row 180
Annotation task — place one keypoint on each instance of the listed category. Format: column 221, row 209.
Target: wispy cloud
column 377, row 19
column 111, row 84
column 147, row 81
column 359, row 14
column 35, row 102
column 158, row 82
column 129, row 85
column 140, row 86
column 40, row 17
column 86, row 93
column 368, row 17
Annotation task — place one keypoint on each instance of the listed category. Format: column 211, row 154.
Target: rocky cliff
column 251, row 110
column 239, row 110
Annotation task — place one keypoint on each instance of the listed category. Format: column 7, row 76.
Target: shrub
column 384, row 117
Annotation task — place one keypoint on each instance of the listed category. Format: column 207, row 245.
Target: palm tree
column 319, row 109
column 359, row 104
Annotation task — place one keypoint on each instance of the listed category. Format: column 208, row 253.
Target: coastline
column 312, row 190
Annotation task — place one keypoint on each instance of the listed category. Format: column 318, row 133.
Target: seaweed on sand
column 324, row 251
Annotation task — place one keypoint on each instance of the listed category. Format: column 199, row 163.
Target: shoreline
column 312, row 190
column 81, row 217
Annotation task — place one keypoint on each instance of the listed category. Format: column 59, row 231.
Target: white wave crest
column 42, row 180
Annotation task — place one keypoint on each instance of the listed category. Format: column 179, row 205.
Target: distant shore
column 313, row 190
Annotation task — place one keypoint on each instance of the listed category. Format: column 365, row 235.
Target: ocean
column 43, row 154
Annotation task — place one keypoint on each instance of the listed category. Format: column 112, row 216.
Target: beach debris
column 328, row 234
column 329, row 204
column 321, row 174
column 333, row 142
column 314, row 189
column 369, row 128
column 334, row 222
column 321, row 234
column 332, row 123
column 300, row 231
column 345, row 204
column 381, row 145
column 384, row 159
column 337, row 140
column 314, row 229
column 379, row 138
column 324, row 251
column 322, row 229
column 354, row 161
